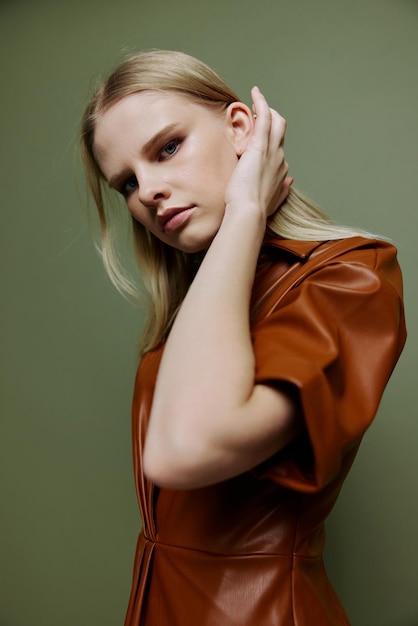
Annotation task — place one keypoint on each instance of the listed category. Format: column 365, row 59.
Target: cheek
column 138, row 212
column 223, row 172
column 207, row 162
column 220, row 164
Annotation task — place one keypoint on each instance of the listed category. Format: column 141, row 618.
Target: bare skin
column 209, row 420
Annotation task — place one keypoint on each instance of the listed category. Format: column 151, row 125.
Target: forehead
column 147, row 103
column 141, row 115
column 149, row 109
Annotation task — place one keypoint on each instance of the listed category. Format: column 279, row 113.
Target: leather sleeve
column 336, row 337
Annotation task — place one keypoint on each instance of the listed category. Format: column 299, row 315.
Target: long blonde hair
column 165, row 271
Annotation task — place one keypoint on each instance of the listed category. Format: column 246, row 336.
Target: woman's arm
column 209, row 421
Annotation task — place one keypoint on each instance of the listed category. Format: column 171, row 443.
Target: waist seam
column 289, row 555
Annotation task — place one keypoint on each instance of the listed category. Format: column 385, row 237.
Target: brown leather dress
column 327, row 318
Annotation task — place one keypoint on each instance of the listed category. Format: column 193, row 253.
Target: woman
column 271, row 336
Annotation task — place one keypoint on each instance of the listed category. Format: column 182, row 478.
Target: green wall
column 344, row 73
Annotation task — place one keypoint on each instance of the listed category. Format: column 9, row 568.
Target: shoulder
column 286, row 264
column 331, row 295
column 371, row 252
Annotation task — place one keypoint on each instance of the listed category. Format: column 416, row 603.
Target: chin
column 196, row 244
column 194, row 249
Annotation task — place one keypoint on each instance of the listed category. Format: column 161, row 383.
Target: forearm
column 207, row 370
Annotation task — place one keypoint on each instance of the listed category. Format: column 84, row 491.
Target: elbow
column 172, row 464
column 158, row 470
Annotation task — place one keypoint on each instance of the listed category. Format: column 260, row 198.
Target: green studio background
column 344, row 73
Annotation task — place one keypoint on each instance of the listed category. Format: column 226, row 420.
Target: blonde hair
column 165, row 271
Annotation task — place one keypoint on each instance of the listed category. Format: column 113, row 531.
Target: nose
column 152, row 187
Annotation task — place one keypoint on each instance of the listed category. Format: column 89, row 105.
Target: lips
column 170, row 219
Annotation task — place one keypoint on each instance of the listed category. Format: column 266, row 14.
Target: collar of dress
column 300, row 249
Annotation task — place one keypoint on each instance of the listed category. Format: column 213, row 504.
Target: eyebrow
column 146, row 148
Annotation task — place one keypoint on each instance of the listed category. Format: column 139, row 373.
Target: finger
column 262, row 111
column 284, row 192
column 255, row 95
column 259, row 101
column 278, row 128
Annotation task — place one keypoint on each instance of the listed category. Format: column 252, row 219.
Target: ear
column 241, row 123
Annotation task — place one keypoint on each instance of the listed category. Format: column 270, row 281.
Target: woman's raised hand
column 260, row 177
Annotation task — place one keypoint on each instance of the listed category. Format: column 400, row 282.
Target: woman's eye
column 129, row 185
column 170, row 148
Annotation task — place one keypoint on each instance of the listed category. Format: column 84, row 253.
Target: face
column 171, row 159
